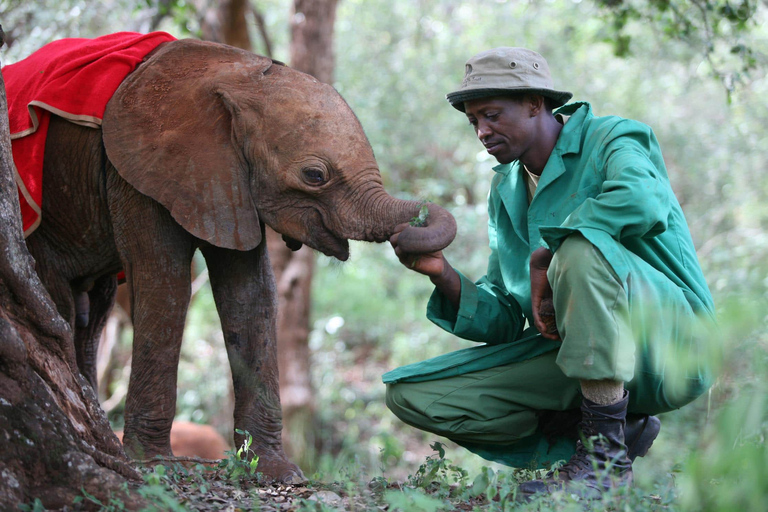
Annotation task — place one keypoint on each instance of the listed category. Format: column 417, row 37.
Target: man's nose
column 482, row 131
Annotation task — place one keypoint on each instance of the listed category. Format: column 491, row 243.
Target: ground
column 234, row 484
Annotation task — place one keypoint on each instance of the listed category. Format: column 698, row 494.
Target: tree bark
column 225, row 22
column 312, row 27
column 54, row 438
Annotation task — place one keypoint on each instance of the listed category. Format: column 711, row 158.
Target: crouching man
column 594, row 310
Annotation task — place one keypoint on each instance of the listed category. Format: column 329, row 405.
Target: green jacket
column 605, row 179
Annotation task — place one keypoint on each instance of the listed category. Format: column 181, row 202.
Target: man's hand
column 434, row 265
column 541, row 294
column 431, row 264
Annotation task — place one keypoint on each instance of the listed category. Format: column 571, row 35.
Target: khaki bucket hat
column 504, row 71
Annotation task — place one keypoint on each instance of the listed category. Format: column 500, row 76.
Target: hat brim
column 457, row 99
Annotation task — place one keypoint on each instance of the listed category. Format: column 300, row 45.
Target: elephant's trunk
column 436, row 233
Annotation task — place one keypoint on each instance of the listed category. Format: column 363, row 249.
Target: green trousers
column 488, row 398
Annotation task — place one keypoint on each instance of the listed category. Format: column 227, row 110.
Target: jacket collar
column 569, row 140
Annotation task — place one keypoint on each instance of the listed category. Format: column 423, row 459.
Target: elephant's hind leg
column 99, row 301
column 244, row 290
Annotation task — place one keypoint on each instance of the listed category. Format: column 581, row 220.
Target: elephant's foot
column 139, row 449
column 278, row 468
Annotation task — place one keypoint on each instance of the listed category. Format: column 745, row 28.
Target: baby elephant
column 200, row 147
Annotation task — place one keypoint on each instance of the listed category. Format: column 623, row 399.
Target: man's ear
column 536, row 104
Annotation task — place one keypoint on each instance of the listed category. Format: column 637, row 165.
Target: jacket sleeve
column 634, row 198
column 487, row 313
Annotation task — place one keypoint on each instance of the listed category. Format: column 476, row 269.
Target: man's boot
column 640, row 431
column 590, row 472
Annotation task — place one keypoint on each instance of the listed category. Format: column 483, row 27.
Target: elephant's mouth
column 336, row 248
column 292, row 243
column 312, row 231
column 325, row 240
column 339, row 249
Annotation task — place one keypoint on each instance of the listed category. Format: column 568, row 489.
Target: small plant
column 112, row 505
column 35, row 506
column 158, row 489
column 238, row 465
column 436, row 472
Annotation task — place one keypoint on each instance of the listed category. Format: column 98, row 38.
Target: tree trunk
column 55, row 439
column 225, row 22
column 312, row 26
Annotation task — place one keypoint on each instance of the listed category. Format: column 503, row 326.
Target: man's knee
column 578, row 262
column 394, row 398
column 572, row 257
column 398, row 401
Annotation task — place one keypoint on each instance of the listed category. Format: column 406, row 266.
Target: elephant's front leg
column 160, row 293
column 156, row 254
column 244, row 290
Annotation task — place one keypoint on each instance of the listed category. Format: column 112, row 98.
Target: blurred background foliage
column 693, row 70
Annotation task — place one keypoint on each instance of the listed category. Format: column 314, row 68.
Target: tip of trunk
column 436, row 234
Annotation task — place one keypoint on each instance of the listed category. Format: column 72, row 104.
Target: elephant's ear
column 172, row 132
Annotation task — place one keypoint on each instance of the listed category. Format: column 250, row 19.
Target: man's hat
column 505, row 71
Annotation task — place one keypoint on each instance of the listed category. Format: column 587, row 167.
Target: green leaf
column 254, row 462
column 421, row 219
column 437, row 445
column 480, row 483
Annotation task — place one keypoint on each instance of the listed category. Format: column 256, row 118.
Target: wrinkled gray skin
column 200, row 147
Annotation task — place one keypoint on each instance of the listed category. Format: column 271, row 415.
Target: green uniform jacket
column 605, row 179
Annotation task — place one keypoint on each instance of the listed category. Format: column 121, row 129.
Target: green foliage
column 437, row 467
column 35, row 506
column 158, row 489
column 242, row 463
column 114, row 504
column 415, row 500
column 721, row 29
column 726, row 470
column 420, row 220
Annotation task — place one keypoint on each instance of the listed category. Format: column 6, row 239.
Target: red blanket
column 74, row 79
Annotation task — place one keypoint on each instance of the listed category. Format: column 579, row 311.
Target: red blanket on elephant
column 74, row 79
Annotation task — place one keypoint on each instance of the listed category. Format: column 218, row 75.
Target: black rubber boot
column 593, row 469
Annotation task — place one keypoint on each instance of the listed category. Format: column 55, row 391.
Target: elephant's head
column 225, row 139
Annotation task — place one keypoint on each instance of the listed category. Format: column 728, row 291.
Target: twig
column 165, row 458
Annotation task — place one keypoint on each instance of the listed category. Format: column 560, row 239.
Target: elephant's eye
column 313, row 176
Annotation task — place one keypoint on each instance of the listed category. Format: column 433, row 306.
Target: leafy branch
column 718, row 29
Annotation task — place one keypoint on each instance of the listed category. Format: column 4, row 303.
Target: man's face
column 504, row 126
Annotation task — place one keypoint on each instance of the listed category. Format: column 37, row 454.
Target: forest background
column 702, row 88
